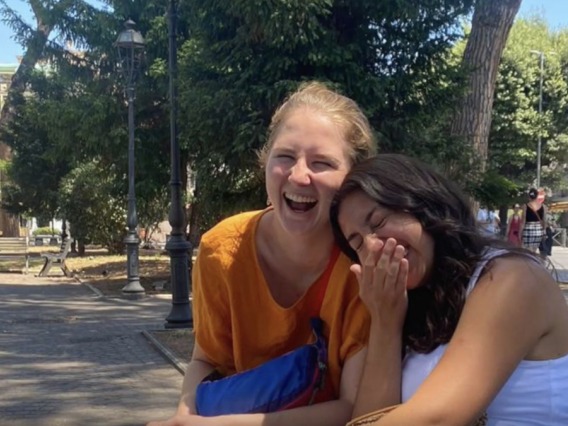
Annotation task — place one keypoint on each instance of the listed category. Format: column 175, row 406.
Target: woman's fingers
column 383, row 273
column 386, row 269
column 394, row 266
column 374, row 248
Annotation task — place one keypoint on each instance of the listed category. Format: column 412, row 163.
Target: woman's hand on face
column 382, row 281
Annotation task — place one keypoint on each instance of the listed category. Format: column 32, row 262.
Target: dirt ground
column 179, row 342
column 107, row 273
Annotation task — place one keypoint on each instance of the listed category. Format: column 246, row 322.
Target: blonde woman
column 258, row 274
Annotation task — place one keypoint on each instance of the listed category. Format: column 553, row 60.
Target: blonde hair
column 343, row 111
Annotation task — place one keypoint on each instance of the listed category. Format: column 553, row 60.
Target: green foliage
column 244, row 57
column 238, row 59
column 75, row 111
column 89, row 201
column 34, row 172
column 495, row 190
column 517, row 123
column 44, row 230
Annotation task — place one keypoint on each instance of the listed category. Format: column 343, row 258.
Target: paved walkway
column 68, row 357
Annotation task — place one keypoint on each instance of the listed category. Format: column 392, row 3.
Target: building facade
column 6, row 73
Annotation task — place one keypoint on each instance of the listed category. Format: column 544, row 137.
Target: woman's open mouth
column 299, row 203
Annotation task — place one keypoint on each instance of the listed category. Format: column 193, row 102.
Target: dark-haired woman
column 533, row 223
column 482, row 325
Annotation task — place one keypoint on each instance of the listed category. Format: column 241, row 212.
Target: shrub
column 44, row 230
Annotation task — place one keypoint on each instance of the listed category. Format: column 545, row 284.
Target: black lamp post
column 180, row 316
column 130, row 45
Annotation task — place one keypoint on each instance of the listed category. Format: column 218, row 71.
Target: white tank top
column 536, row 394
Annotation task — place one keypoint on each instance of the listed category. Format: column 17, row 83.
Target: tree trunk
column 491, row 23
column 81, row 248
column 10, row 224
column 195, row 230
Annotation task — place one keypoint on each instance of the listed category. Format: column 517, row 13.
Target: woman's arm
column 382, row 287
column 523, row 220
column 504, row 318
column 198, row 368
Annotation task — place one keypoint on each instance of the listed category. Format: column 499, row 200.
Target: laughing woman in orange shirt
column 258, row 275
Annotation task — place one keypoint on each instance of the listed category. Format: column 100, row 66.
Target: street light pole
column 540, row 55
column 539, row 144
column 130, row 44
column 180, row 315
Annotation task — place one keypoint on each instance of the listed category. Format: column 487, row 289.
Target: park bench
column 57, row 259
column 42, row 240
column 15, row 248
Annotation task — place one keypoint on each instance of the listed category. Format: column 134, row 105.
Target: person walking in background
column 461, row 323
column 514, row 226
column 533, row 223
column 260, row 276
column 486, row 220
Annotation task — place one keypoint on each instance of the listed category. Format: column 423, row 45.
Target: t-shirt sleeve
column 356, row 329
column 211, row 308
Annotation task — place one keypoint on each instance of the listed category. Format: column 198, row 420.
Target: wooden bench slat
column 15, row 248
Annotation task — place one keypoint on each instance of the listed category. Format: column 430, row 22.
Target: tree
column 517, row 123
column 91, row 201
column 64, row 17
column 74, row 111
column 243, row 57
column 491, row 23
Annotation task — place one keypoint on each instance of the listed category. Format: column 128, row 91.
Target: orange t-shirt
column 239, row 325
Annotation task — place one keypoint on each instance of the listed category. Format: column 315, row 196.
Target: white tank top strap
column 488, row 255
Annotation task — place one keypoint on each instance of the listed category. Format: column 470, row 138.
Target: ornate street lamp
column 130, row 45
column 180, row 316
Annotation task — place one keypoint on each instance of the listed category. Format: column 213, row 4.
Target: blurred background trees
column 238, row 59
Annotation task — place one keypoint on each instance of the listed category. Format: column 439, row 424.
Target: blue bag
column 288, row 381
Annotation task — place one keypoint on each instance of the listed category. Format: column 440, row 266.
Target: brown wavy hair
column 403, row 184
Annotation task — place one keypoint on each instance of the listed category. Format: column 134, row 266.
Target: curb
column 100, row 294
column 169, row 355
column 92, row 288
column 89, row 286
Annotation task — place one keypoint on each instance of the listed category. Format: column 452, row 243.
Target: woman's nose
column 300, row 174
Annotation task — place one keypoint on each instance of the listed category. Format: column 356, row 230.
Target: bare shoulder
column 522, row 272
column 519, row 280
column 518, row 303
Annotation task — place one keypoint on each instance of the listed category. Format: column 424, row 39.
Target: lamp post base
column 133, row 289
column 180, row 316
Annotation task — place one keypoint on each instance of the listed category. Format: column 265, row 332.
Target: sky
column 555, row 12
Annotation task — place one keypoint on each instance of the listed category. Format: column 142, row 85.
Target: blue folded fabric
column 288, row 381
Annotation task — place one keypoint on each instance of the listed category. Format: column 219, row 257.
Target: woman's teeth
column 299, row 198
column 300, row 203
